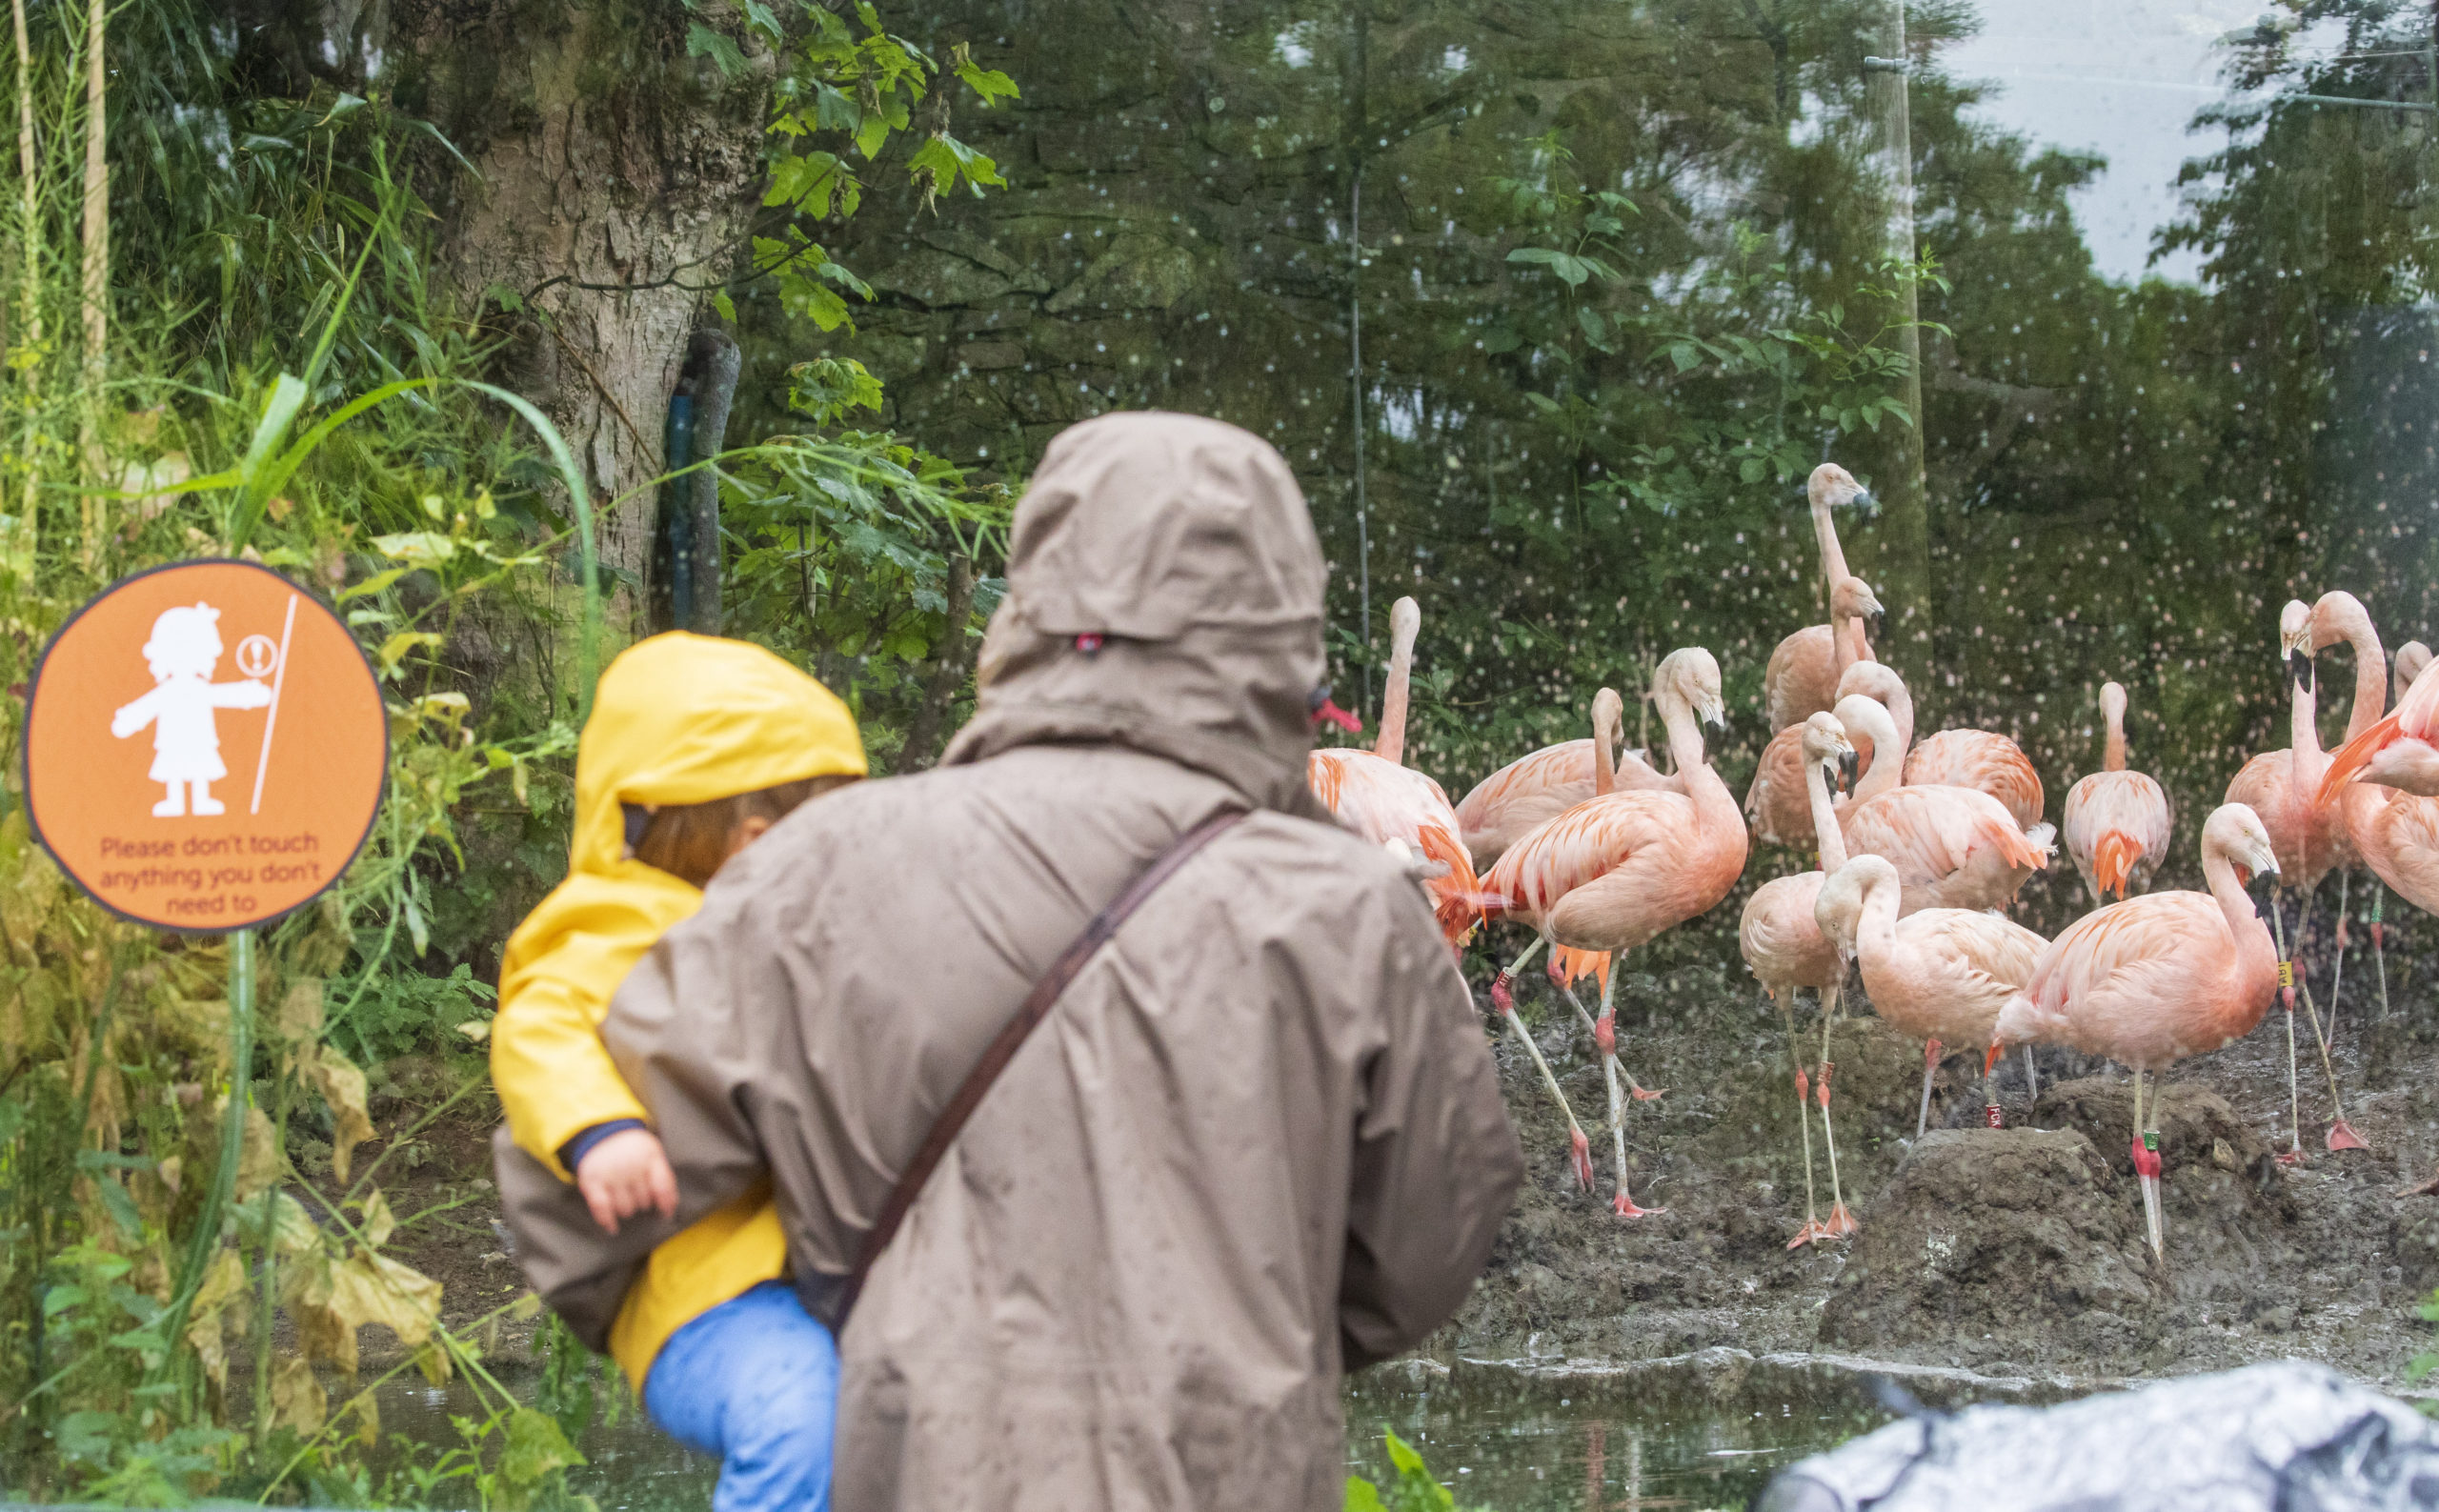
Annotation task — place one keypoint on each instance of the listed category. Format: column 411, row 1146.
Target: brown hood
column 1164, row 593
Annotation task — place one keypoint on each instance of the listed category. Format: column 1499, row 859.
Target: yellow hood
column 684, row 718
column 678, row 718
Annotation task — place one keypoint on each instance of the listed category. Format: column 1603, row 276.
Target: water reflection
column 1519, row 1447
column 1511, row 1446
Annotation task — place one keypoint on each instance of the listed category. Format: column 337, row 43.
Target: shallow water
column 1505, row 1445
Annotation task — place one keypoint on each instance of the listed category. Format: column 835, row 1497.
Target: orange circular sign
column 205, row 747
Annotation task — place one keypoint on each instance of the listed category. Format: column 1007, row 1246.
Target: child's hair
column 690, row 841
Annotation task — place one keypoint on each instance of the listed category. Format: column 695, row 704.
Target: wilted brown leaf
column 297, row 1399
column 378, row 1223
column 300, row 1010
column 342, row 1087
column 221, row 1301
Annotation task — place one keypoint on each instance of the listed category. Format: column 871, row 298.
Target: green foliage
column 846, row 542
column 1414, row 1489
column 857, row 86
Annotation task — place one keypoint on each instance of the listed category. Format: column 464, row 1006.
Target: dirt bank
column 2004, row 1265
column 2015, row 1255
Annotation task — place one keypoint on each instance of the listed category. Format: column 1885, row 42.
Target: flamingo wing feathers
column 2415, row 718
column 1386, row 802
column 2117, row 829
column 1929, row 833
column 1984, row 761
column 1582, row 845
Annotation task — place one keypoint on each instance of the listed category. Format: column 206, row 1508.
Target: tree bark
column 616, row 179
column 952, row 664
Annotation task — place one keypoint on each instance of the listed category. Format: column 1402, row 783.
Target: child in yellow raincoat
column 694, row 747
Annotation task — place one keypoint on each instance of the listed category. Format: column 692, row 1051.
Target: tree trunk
column 618, row 177
column 952, row 663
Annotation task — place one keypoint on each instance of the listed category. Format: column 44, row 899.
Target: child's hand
column 624, row 1175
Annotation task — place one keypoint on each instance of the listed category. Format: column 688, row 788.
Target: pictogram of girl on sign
column 183, row 653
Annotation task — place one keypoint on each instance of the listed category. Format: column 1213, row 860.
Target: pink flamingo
column 1387, row 803
column 1952, row 847
column 2117, row 826
column 1785, row 950
column 1547, row 783
column 1781, row 814
column 1982, row 760
column 1941, row 974
column 1801, row 677
column 2280, row 788
column 1612, row 873
column 2158, row 977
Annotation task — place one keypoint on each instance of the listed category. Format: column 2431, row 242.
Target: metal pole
column 1354, row 377
column 1902, row 565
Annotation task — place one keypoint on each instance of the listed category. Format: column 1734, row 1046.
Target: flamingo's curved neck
column 2305, row 758
column 1848, row 644
column 1605, row 736
column 1889, row 745
column 2113, row 756
column 2244, row 924
column 1876, row 928
column 2371, row 666
column 1392, row 744
column 1826, row 833
column 1833, row 560
column 1684, row 728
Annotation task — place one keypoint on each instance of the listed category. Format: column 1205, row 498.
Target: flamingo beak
column 1850, row 767
column 1875, row 623
column 2299, row 671
column 2260, row 886
column 1715, row 714
column 1864, row 501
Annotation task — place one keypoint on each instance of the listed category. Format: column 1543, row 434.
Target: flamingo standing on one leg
column 1784, row 950
column 1952, row 847
column 1386, row 802
column 2117, row 826
column 2279, row 787
column 1940, row 974
column 2158, row 977
column 1782, row 812
column 1547, row 783
column 1610, row 874
column 1801, row 677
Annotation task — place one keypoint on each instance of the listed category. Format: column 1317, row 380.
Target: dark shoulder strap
column 1036, row 1007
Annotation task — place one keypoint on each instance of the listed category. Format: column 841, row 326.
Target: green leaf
column 724, row 305
column 260, row 474
column 703, row 42
column 1362, row 1496
column 1684, row 356
column 536, row 1447
column 370, row 585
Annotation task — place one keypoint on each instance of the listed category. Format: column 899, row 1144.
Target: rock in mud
column 1999, row 1243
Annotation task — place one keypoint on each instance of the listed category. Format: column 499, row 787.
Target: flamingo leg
column 2146, row 1166
column 1811, row 1229
column 1501, row 998
column 1606, row 1036
column 2287, row 1000
column 2379, row 953
column 2031, row 1073
column 1930, row 1063
column 1840, row 1222
column 2341, row 1134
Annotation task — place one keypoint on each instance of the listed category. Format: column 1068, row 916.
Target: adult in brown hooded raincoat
column 1259, row 1141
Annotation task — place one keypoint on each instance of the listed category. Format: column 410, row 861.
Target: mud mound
column 1999, row 1245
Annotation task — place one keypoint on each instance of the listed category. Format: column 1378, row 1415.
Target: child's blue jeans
column 755, row 1381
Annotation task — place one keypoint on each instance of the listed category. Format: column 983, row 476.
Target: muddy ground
column 2010, row 1255
column 2014, row 1253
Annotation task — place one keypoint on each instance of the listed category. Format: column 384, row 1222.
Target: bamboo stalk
column 20, row 551
column 97, row 240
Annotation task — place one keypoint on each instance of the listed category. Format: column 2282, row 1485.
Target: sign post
column 170, row 682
